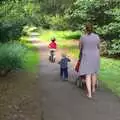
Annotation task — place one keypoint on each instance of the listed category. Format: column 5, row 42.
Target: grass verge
column 31, row 59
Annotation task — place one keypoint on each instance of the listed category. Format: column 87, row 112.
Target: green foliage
column 31, row 60
column 111, row 33
column 100, row 12
column 76, row 14
column 103, row 48
column 60, row 15
column 51, row 22
column 14, row 15
column 14, row 55
column 11, row 56
column 105, row 14
column 114, row 48
column 11, row 22
column 44, row 21
column 54, row 7
column 61, row 36
column 28, row 29
column 50, row 14
column 58, row 23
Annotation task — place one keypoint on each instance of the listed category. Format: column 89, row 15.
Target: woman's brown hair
column 89, row 28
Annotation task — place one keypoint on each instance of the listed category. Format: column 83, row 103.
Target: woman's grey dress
column 90, row 61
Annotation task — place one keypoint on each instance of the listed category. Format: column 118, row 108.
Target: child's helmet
column 63, row 55
column 53, row 39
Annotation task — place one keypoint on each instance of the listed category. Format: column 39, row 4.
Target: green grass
column 110, row 68
column 31, row 61
column 61, row 36
column 110, row 74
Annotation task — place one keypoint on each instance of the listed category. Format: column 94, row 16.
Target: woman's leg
column 88, row 85
column 94, row 79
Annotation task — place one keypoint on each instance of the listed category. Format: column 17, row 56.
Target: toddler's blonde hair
column 63, row 55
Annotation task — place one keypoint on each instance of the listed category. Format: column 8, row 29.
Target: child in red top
column 53, row 44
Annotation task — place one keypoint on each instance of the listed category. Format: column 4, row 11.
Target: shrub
column 114, row 48
column 58, row 23
column 11, row 57
column 110, row 48
column 103, row 48
column 42, row 21
column 12, row 20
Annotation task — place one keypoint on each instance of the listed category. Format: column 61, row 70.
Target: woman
column 90, row 60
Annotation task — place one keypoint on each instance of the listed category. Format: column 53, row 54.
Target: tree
column 96, row 11
column 54, row 7
column 14, row 14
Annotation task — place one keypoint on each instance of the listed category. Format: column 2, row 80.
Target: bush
column 41, row 21
column 11, row 57
column 14, row 15
column 103, row 48
column 110, row 31
column 110, row 48
column 58, row 23
column 51, row 22
column 12, row 31
column 114, row 48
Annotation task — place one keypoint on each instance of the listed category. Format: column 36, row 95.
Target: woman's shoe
column 90, row 97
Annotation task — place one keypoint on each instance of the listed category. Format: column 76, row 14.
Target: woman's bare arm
column 98, row 46
column 80, row 48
